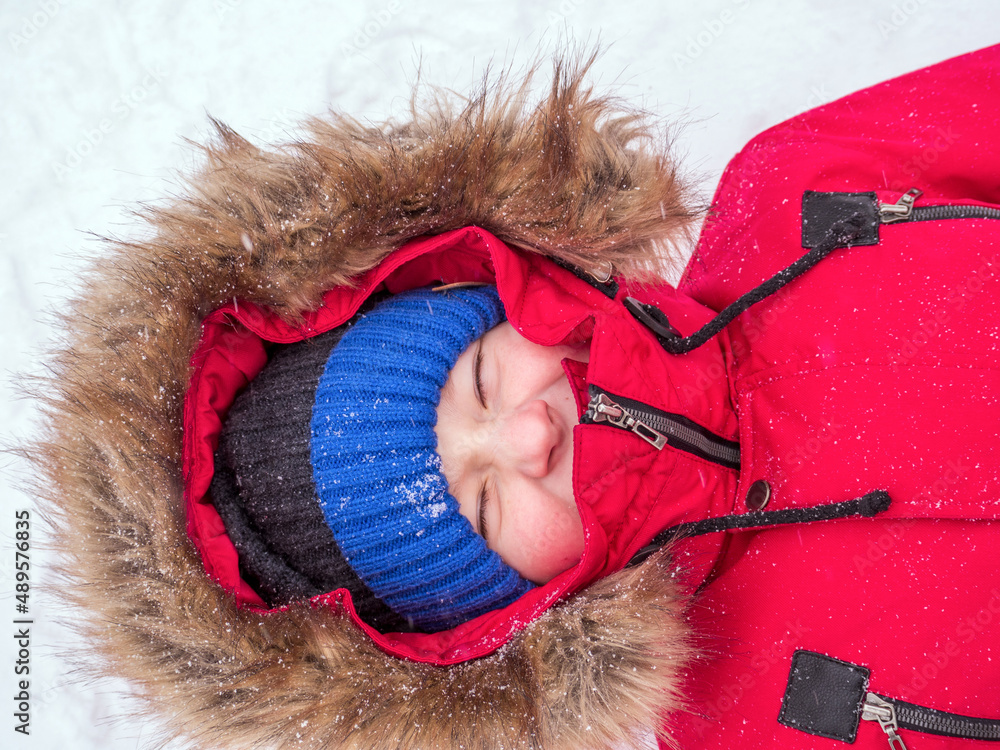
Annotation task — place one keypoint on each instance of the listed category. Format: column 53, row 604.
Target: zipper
column 660, row 428
column 891, row 714
column 828, row 697
column 876, row 708
column 904, row 210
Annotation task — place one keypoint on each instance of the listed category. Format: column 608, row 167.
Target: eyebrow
column 477, row 371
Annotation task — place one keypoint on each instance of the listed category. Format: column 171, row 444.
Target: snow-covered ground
column 101, row 95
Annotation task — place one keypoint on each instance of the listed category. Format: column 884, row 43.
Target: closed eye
column 477, row 374
column 483, row 499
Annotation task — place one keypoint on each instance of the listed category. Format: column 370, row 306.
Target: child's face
column 506, row 444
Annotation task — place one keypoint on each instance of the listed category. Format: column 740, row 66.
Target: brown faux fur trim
column 572, row 177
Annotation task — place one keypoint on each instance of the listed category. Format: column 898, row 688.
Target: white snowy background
column 99, row 96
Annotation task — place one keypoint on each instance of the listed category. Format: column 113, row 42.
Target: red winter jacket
column 879, row 368
column 874, row 371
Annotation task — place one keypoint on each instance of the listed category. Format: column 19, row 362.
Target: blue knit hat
column 375, row 463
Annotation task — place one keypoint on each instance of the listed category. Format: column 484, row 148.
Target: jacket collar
column 629, row 490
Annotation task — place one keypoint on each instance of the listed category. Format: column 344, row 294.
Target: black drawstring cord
column 840, row 234
column 866, row 506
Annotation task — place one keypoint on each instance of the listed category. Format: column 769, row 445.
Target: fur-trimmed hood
column 574, row 178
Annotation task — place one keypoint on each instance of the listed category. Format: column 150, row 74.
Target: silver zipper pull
column 876, row 709
column 900, row 210
column 603, row 409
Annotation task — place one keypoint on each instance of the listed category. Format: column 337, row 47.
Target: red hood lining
column 231, row 353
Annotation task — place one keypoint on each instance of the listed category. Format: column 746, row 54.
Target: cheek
column 551, row 541
column 562, row 528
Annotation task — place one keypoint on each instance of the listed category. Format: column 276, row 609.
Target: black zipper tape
column 932, row 721
column 942, row 213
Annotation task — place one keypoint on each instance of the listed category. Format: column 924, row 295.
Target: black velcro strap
column 824, row 696
column 821, row 213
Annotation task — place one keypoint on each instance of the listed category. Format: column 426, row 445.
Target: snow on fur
column 574, row 177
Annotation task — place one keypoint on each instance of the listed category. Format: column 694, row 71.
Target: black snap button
column 758, row 495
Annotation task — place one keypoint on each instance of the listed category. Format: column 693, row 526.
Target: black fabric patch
column 824, row 696
column 820, row 211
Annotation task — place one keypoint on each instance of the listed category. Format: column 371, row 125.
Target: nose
column 531, row 438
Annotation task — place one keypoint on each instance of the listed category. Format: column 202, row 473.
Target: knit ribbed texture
column 263, row 488
column 375, row 464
